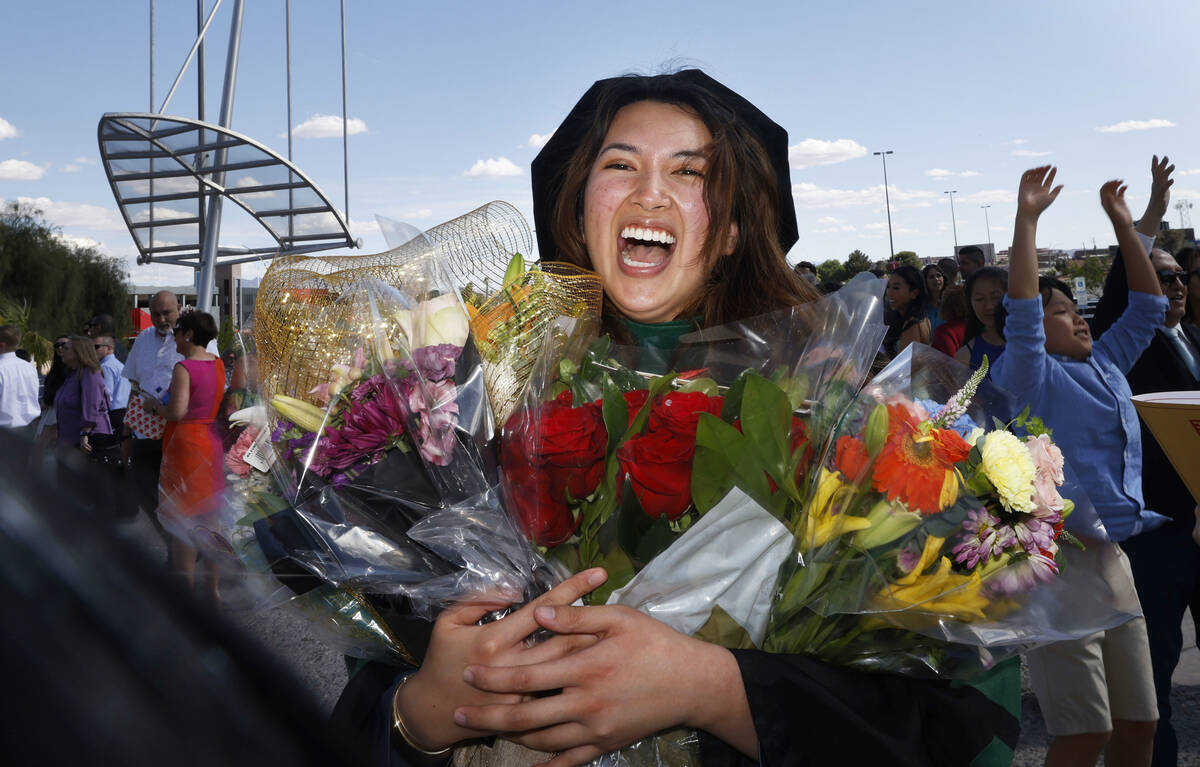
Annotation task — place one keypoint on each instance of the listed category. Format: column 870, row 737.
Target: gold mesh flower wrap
column 303, row 322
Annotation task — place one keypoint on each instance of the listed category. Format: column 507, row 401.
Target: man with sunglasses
column 115, row 384
column 1165, row 560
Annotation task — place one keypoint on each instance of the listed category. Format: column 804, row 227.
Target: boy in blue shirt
column 1097, row 693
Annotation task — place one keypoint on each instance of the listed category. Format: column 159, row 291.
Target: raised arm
column 1142, row 278
column 1035, row 194
column 1160, row 196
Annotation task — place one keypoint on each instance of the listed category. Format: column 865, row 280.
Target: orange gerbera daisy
column 916, row 464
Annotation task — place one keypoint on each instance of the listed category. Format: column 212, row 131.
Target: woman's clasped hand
column 609, row 677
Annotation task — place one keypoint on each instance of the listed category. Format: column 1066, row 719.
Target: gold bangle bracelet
column 398, row 724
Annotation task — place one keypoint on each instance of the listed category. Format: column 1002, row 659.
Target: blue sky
column 967, row 95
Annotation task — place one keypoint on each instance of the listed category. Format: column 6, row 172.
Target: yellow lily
column 940, row 593
column 822, row 523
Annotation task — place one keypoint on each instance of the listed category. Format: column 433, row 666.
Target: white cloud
column 76, row 165
column 1132, row 125
column 1192, row 172
column 1016, row 142
column 829, row 225
column 987, row 197
column 19, row 170
column 328, row 126
column 7, row 129
column 76, row 214
column 942, row 173
column 811, row 152
column 538, row 140
column 419, row 213
column 82, row 242
column 493, row 167
column 809, row 195
column 1028, row 153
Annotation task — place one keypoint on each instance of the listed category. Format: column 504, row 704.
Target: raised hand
column 427, row 701
column 1160, row 183
column 640, row 677
column 1037, row 190
column 1112, row 198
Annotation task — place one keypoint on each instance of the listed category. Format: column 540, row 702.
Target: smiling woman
column 703, row 174
column 677, row 192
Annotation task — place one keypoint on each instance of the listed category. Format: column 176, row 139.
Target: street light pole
column 953, row 223
column 887, row 200
column 985, row 221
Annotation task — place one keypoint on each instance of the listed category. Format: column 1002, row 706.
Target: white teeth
column 647, row 235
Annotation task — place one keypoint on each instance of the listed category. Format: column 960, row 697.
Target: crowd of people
column 684, row 156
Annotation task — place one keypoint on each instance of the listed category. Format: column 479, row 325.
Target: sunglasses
column 1167, row 276
column 61, row 344
column 98, row 347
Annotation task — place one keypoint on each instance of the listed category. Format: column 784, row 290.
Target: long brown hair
column 85, row 353
column 740, row 187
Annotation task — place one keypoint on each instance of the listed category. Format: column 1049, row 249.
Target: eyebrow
column 620, row 147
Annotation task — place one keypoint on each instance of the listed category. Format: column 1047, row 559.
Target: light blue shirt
column 1088, row 404
column 115, row 384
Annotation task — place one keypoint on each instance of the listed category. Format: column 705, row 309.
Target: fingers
column 581, row 620
column 519, row 680
column 521, row 623
column 558, row 647
column 535, row 714
column 469, row 611
column 1048, row 181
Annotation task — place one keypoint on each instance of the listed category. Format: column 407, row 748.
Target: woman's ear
column 731, row 239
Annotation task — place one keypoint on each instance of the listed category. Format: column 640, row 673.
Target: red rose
column 678, row 412
column 544, row 454
column 634, row 401
column 530, row 497
column 659, row 466
column 851, row 458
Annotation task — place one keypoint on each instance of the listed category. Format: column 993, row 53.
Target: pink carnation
column 235, row 459
column 1048, row 465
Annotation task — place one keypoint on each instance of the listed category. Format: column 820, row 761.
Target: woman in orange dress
column 191, row 479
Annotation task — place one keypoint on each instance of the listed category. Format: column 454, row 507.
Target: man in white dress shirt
column 148, row 367
column 18, row 383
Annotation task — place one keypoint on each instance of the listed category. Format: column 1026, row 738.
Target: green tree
column 226, row 335
column 58, row 285
column 831, row 270
column 908, row 258
column 857, row 262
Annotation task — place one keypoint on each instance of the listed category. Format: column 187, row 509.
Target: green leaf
column 705, row 386
column 1000, row 425
column 620, row 572
column 616, row 414
column 1023, row 417
column 766, row 421
column 948, row 522
column 712, row 469
column 722, row 630
column 732, row 408
column 641, row 536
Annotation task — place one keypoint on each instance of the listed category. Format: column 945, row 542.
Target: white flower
column 439, row 320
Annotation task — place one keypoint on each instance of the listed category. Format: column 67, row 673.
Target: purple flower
column 437, row 363
column 1022, row 575
column 437, row 413
column 986, row 538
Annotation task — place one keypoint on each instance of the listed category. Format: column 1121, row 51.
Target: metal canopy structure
column 164, row 170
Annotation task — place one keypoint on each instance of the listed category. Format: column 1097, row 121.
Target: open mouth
column 645, row 247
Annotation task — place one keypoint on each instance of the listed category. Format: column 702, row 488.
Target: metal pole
column 986, row 222
column 345, row 133
column 291, row 193
column 208, row 252
column 199, row 161
column 953, row 223
column 887, row 201
column 150, row 186
column 187, row 61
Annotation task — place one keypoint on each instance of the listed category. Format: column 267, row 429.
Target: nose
column 649, row 193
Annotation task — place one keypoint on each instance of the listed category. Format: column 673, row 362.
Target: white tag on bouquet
column 730, row 558
column 260, row 454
